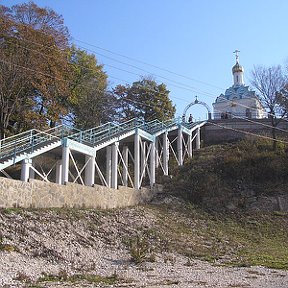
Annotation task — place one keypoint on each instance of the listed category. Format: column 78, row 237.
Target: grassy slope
column 218, row 174
column 238, row 239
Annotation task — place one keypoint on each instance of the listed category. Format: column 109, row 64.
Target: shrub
column 139, row 248
column 225, row 171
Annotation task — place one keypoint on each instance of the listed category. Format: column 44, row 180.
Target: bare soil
column 132, row 247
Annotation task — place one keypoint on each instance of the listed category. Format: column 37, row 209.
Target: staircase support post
column 59, row 172
column 114, row 166
column 32, row 172
column 152, row 164
column 189, row 146
column 125, row 154
column 108, row 165
column 198, row 137
column 142, row 159
column 137, row 160
column 89, row 170
column 180, row 147
column 65, row 164
column 165, row 153
column 157, row 152
column 25, row 169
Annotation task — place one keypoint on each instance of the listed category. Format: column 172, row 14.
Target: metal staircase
column 31, row 143
column 107, row 132
column 34, row 142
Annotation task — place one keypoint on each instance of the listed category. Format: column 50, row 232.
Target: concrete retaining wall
column 39, row 194
column 214, row 132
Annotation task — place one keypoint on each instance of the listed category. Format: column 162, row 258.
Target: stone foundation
column 39, row 194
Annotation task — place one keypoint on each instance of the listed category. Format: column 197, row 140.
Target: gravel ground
column 50, row 243
column 173, row 273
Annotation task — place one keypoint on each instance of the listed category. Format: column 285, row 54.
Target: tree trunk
column 2, row 131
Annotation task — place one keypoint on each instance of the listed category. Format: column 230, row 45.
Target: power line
column 148, row 64
column 225, row 100
column 188, row 88
column 152, row 106
column 84, row 67
column 136, row 67
column 163, row 69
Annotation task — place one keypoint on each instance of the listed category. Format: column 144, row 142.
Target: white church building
column 238, row 101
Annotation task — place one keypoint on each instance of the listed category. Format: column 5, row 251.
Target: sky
column 186, row 44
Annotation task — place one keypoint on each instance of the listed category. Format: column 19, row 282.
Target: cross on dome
column 237, row 71
column 236, row 54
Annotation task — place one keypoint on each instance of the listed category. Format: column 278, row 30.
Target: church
column 238, row 101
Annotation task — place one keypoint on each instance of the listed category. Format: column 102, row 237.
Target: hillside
column 159, row 245
column 181, row 241
column 246, row 176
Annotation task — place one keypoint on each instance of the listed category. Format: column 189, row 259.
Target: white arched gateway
column 195, row 103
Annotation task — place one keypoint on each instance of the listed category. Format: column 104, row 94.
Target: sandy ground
column 44, row 243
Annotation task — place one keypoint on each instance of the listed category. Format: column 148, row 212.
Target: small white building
column 238, row 101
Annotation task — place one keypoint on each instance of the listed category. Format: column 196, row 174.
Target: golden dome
column 237, row 68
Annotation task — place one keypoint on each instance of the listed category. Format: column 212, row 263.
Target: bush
column 229, row 170
column 139, row 248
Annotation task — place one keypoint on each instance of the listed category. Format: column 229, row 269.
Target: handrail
column 61, row 129
column 28, row 142
column 97, row 134
column 16, row 135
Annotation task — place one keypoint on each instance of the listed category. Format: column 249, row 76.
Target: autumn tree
column 14, row 84
column 90, row 102
column 270, row 82
column 34, row 75
column 144, row 99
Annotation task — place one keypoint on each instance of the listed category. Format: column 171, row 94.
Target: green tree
column 90, row 102
column 144, row 99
